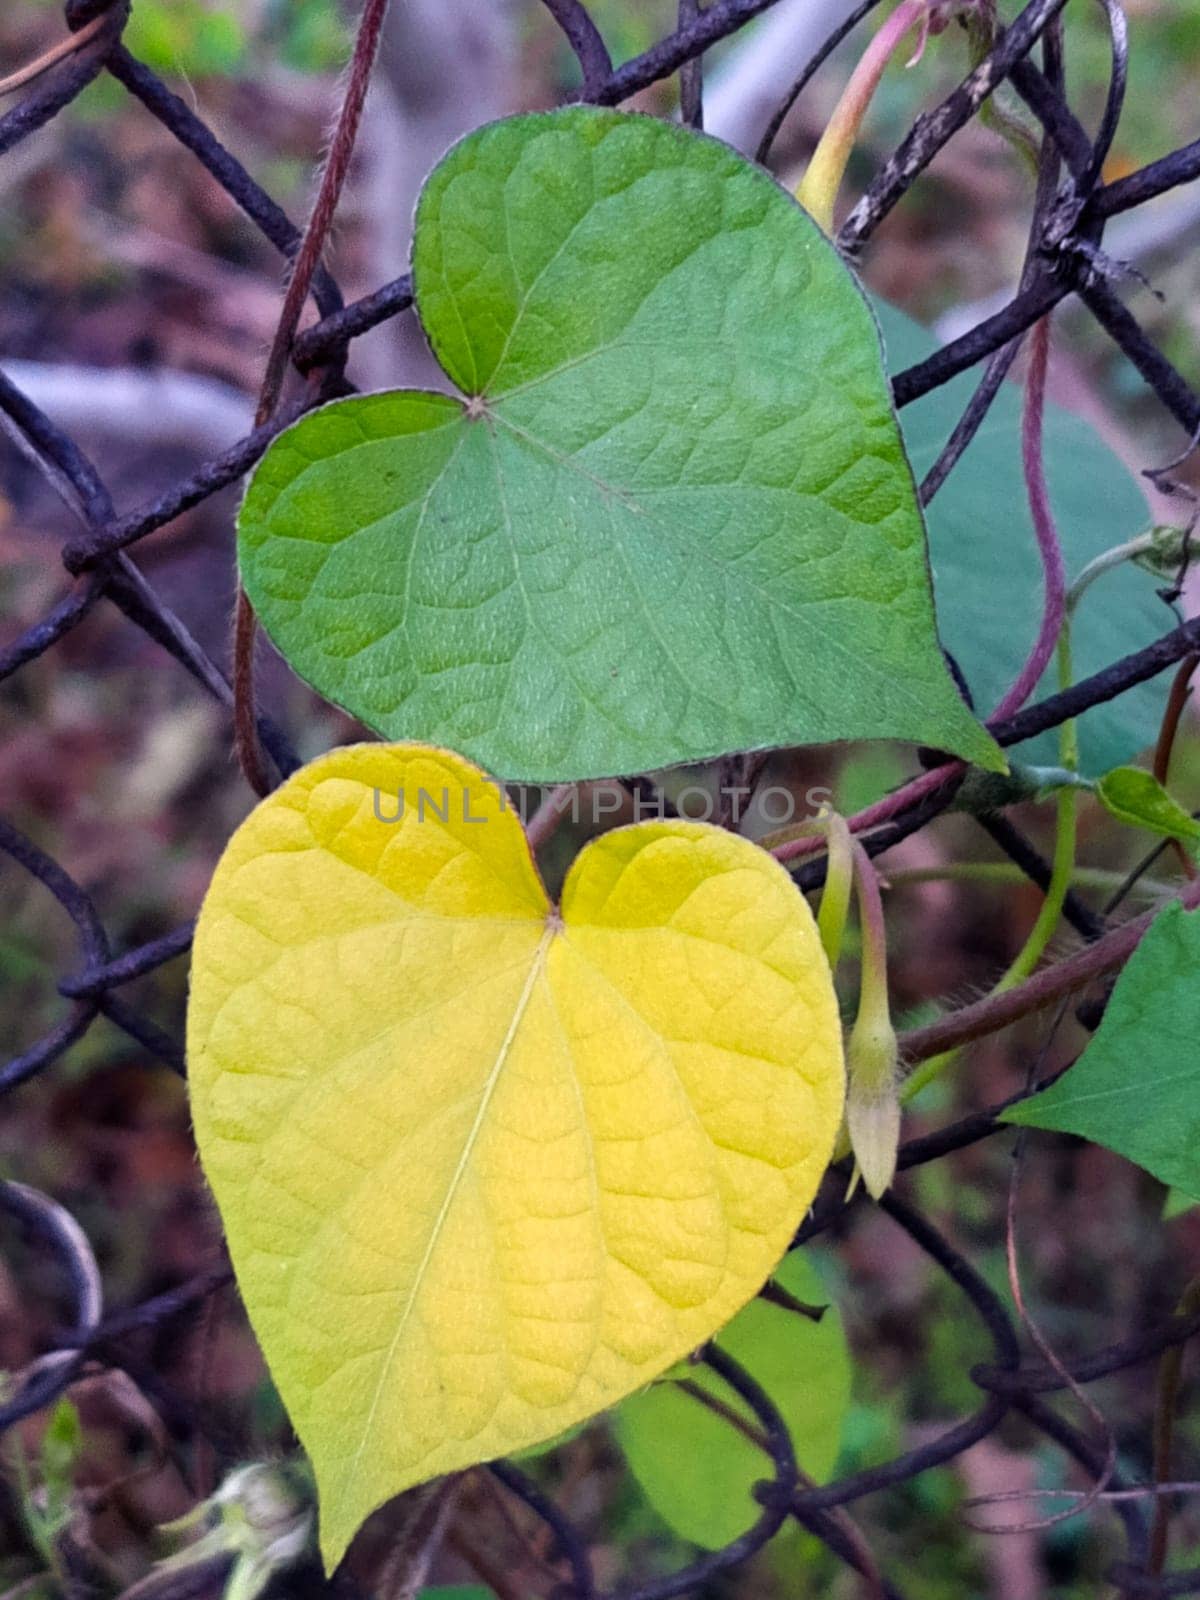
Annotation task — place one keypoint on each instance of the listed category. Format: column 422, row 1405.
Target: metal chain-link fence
column 1065, row 258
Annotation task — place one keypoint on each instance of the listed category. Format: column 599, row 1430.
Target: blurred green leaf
column 61, row 1444
column 310, row 35
column 186, row 37
column 695, row 1468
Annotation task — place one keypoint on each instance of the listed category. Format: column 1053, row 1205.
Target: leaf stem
column 1143, row 544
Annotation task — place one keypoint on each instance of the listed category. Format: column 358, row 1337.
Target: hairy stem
column 304, row 265
column 998, row 1011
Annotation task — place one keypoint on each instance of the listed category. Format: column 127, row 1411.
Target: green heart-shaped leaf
column 673, row 516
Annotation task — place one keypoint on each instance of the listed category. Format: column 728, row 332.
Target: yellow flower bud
column 873, row 1102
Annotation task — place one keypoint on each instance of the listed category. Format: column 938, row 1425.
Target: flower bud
column 260, row 1518
column 872, row 1102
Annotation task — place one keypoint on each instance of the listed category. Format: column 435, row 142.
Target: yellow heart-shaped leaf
column 486, row 1166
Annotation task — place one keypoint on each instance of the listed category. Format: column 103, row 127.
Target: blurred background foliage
column 118, row 255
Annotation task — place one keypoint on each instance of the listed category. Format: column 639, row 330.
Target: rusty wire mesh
column 1065, row 257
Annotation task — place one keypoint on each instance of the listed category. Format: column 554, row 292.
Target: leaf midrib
column 536, row 968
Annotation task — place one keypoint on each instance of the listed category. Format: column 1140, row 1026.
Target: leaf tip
column 986, row 753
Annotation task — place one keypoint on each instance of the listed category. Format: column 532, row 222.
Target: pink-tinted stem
column 1054, row 577
column 819, row 186
column 548, row 815
column 882, row 810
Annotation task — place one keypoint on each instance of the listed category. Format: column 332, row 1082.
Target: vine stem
column 996, row 1011
column 1065, row 830
column 1055, row 635
column 304, row 264
column 881, row 811
column 51, row 57
column 1054, row 577
column 1166, row 1397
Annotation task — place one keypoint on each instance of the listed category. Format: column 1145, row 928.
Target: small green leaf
column 986, row 572
column 1177, row 1203
column 1135, row 796
column 61, row 1444
column 695, row 1468
column 672, row 516
column 1136, row 1088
